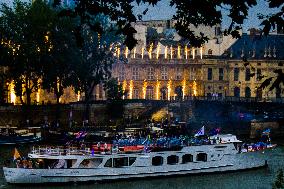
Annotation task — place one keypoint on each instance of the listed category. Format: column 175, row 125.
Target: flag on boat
column 200, row 132
column 214, row 131
column 266, row 131
column 16, row 154
column 81, row 134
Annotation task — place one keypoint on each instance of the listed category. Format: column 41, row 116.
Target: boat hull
column 229, row 163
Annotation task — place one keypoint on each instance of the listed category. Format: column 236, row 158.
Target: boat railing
column 60, row 151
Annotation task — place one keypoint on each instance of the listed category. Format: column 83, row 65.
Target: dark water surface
column 252, row 179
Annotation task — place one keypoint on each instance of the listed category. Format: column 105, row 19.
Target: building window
column 236, row 74
column 237, row 92
column 210, row 52
column 192, row 73
column 164, row 73
column 149, row 93
column 121, row 73
column 209, row 74
column 221, row 74
column 135, row 73
column 247, row 74
column 247, row 92
column 258, row 74
column 136, row 94
column 150, row 73
column 178, row 73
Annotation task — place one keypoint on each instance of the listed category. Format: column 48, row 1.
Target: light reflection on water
column 252, row 179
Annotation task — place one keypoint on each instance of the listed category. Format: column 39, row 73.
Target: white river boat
column 62, row 165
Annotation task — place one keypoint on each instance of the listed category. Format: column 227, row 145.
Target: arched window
column 178, row 92
column 247, row 92
column 210, row 52
column 237, row 92
column 149, row 92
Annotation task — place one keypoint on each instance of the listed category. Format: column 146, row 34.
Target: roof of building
column 255, row 46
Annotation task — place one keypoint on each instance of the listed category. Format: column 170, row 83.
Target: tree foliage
column 113, row 89
column 23, row 31
column 188, row 13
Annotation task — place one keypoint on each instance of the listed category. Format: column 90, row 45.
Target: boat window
column 157, row 160
column 173, row 159
column 131, row 160
column 187, row 158
column 120, row 162
column 220, row 147
column 201, row 157
column 108, row 163
column 91, row 163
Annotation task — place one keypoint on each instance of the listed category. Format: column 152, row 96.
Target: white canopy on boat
column 225, row 138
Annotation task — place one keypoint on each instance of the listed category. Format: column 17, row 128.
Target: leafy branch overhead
column 189, row 13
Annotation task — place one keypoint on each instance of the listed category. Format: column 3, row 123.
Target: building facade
column 168, row 68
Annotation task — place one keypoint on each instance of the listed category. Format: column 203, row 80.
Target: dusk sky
column 163, row 11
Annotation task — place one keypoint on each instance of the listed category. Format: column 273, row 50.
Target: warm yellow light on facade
column 183, row 88
column 124, row 84
column 158, row 51
column 12, row 93
column 118, row 52
column 134, row 52
column 142, row 52
column 144, row 88
column 169, row 85
column 179, row 56
column 171, row 52
column 166, row 52
column 158, row 90
column 78, row 96
column 201, row 52
column 126, row 52
column 193, row 53
column 185, row 49
column 150, row 50
column 131, row 86
column 194, row 87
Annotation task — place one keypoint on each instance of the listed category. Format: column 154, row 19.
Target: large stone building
column 222, row 67
column 163, row 66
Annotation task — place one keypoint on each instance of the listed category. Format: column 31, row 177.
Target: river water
column 252, row 179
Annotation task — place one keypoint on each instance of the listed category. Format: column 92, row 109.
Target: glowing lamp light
column 144, row 88
column 142, row 52
column 134, row 52
column 179, row 52
column 158, row 51
column 166, row 52
column 12, row 93
column 126, row 52
column 183, row 88
column 201, row 52
column 131, row 86
column 78, row 96
column 194, row 87
column 158, row 90
column 171, row 52
column 193, row 53
column 169, row 85
column 124, row 84
column 185, row 49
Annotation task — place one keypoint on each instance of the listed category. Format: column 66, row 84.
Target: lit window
column 164, row 73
